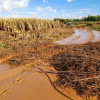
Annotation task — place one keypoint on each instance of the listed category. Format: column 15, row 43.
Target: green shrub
column 89, row 24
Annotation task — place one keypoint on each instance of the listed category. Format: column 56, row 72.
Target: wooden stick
column 58, row 72
column 87, row 78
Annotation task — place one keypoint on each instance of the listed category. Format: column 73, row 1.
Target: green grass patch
column 1, row 45
column 93, row 25
column 89, row 24
column 79, row 25
column 82, row 24
column 96, row 28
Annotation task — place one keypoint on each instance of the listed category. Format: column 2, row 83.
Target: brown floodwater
column 83, row 37
column 97, row 36
column 3, row 68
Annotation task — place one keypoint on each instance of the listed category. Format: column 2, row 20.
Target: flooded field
column 81, row 37
column 21, row 78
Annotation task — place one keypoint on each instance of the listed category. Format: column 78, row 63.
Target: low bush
column 89, row 24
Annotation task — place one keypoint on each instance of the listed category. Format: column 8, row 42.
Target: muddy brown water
column 18, row 85
column 83, row 37
column 4, row 68
column 97, row 36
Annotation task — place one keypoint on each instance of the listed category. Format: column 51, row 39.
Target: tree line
column 89, row 18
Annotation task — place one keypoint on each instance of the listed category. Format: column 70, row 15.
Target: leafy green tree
column 98, row 17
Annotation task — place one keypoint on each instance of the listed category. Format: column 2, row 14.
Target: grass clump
column 96, row 28
column 89, row 24
column 1, row 45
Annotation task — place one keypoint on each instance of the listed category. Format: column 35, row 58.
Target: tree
column 98, row 18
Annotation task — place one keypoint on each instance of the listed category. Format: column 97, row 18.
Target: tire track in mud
column 89, row 39
column 80, row 36
column 4, row 93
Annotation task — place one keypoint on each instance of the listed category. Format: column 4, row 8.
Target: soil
column 21, row 79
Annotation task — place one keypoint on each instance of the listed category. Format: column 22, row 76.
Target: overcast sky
column 49, row 9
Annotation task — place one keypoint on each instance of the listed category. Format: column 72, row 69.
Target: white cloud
column 67, row 14
column 79, row 12
column 80, row 17
column 93, row 5
column 88, row 12
column 63, row 10
column 63, row 14
column 75, row 4
column 46, row 9
column 53, row 16
column 31, row 13
column 9, row 5
column 16, row 13
column 14, row 16
column 43, row 0
column 69, row 0
column 65, row 5
column 84, row 9
column 39, row 8
column 42, row 16
column 75, row 17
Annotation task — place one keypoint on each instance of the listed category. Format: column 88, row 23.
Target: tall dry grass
column 15, row 24
column 23, row 28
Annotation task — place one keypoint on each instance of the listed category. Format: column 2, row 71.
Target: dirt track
column 81, row 37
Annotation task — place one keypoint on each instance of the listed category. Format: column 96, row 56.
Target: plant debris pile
column 82, row 66
column 82, row 62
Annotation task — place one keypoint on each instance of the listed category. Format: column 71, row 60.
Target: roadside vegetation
column 93, row 22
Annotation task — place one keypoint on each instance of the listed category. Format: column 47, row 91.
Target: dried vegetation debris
column 83, row 64
column 81, row 61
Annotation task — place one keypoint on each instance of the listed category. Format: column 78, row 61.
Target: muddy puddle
column 80, row 37
column 97, row 36
column 4, row 67
column 35, row 86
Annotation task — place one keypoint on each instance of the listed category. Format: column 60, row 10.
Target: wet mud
column 80, row 37
column 23, row 83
